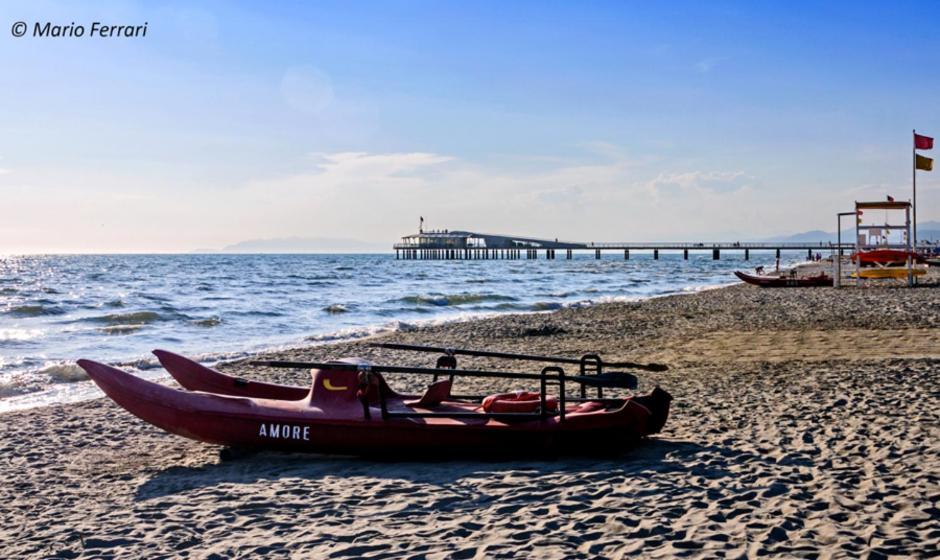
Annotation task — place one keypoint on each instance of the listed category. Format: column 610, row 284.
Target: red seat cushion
column 520, row 401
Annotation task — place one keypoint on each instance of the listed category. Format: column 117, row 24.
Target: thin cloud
column 706, row 65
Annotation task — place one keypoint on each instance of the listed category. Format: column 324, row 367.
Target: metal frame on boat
column 590, row 365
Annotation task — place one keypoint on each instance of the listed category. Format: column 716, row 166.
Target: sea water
column 55, row 309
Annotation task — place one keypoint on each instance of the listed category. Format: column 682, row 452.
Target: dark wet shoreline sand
column 805, row 424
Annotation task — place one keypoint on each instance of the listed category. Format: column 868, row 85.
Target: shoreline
column 80, row 390
column 781, row 441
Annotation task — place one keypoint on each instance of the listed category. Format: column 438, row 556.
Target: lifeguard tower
column 871, row 235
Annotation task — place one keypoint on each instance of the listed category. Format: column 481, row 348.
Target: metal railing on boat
column 591, row 374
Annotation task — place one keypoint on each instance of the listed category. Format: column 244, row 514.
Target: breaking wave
column 120, row 329
column 35, row 310
column 135, row 318
column 207, row 322
column 64, row 373
column 455, row 299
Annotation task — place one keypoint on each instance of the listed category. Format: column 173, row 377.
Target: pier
column 467, row 245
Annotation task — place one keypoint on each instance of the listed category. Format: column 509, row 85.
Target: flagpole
column 914, row 182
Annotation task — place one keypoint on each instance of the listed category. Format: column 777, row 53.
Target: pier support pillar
column 685, row 254
column 568, row 254
column 809, row 254
column 626, row 254
column 597, row 253
column 716, row 254
column 747, row 254
column 778, row 253
column 655, row 254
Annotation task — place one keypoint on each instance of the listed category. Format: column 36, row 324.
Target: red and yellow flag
column 923, row 163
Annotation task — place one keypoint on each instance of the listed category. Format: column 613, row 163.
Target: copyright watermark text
column 96, row 30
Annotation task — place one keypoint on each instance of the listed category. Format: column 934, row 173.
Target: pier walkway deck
column 436, row 245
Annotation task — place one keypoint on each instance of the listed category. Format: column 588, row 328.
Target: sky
column 590, row 121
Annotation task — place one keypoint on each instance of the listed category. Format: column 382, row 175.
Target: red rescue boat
column 885, row 257
column 785, row 281
column 349, row 408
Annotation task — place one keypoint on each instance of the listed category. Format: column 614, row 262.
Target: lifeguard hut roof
column 882, row 205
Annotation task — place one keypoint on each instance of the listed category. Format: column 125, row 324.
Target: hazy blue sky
column 582, row 120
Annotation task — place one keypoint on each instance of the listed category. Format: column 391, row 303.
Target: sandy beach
column 806, row 423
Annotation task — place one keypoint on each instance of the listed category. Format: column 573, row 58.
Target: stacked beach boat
column 881, row 264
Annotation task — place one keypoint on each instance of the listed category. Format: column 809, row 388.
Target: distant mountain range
column 302, row 245
column 925, row 231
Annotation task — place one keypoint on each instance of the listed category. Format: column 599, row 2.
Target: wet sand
column 806, row 423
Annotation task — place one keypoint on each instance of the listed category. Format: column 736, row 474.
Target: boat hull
column 334, row 423
column 888, row 273
column 885, row 257
column 784, row 281
column 196, row 377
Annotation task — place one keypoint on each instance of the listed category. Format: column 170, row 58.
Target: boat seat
column 436, row 393
column 520, row 401
column 339, row 387
column 590, row 406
